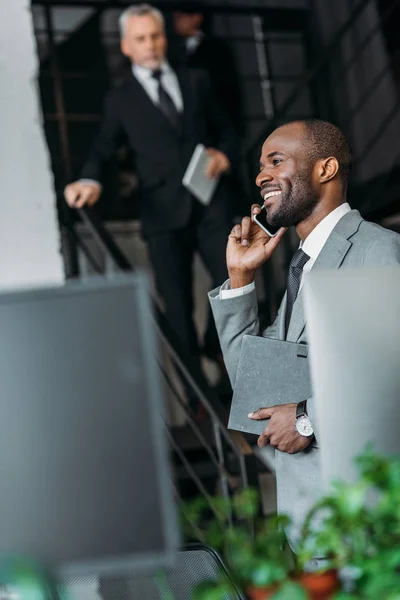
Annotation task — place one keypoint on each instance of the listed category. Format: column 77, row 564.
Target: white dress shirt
column 144, row 76
column 193, row 42
column 312, row 246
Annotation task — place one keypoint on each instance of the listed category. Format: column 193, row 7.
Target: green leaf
column 265, row 573
column 223, row 507
column 215, row 535
column 290, row 591
column 382, row 585
column 345, row 596
column 351, row 499
column 247, row 503
column 214, row 590
column 162, row 584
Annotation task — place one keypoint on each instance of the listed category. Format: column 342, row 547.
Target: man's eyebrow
column 271, row 155
column 275, row 153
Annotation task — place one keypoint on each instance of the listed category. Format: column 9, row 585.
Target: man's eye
column 276, row 161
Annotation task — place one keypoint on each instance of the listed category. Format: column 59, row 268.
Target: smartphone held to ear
column 261, row 220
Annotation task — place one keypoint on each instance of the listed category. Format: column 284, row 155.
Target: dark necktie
column 295, row 271
column 165, row 101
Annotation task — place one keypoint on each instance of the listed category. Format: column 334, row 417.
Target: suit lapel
column 331, row 257
column 148, row 111
column 281, row 321
column 187, row 96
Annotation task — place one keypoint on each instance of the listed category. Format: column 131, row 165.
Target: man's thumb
column 261, row 413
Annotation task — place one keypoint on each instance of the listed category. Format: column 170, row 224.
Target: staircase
column 337, row 61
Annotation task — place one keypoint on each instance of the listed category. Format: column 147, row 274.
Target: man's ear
column 328, row 169
column 199, row 19
column 123, row 47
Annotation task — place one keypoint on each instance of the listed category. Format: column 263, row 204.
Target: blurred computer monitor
column 84, row 471
column 353, row 324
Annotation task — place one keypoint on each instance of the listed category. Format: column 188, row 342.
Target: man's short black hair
column 324, row 139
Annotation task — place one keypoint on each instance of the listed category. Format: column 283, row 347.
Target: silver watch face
column 303, row 426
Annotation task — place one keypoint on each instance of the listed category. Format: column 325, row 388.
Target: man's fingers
column 246, row 224
column 78, row 194
column 71, row 196
column 209, row 170
column 212, row 168
column 227, row 165
column 274, row 242
column 88, row 195
column 262, row 413
column 236, row 234
column 264, row 439
column 255, row 209
column 83, row 199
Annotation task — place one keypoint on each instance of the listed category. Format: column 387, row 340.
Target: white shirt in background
column 193, row 42
column 169, row 81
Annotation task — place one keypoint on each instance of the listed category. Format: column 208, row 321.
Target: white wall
column 29, row 236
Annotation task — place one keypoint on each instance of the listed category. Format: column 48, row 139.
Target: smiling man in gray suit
column 303, row 176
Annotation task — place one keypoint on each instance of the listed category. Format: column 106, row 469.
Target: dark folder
column 270, row 372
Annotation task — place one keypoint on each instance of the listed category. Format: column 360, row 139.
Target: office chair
column 194, row 563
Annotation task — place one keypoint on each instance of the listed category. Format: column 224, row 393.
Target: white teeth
column 270, row 194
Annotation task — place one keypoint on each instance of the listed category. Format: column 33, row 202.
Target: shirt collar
column 193, row 42
column 144, row 74
column 316, row 240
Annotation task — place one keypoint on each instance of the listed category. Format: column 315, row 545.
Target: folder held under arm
column 270, row 372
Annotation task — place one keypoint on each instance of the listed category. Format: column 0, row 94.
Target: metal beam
column 222, row 8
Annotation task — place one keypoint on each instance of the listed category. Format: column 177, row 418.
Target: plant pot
column 320, row 586
column 254, row 593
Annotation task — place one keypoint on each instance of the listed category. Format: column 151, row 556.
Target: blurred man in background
column 194, row 47
column 163, row 114
column 197, row 49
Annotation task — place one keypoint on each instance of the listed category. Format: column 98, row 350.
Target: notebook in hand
column 270, row 372
column 195, row 178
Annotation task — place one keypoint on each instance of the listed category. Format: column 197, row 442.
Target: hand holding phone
column 249, row 246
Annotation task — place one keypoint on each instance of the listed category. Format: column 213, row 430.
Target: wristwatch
column 303, row 423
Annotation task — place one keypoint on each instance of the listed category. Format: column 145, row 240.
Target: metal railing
column 223, row 442
column 189, row 372
column 191, row 376
column 328, row 57
column 304, row 83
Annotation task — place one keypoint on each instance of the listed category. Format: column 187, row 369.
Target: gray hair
column 139, row 10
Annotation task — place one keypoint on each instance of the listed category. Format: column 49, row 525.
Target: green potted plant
column 255, row 550
column 358, row 529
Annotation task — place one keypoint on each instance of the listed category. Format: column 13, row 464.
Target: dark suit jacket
column 215, row 56
column 162, row 153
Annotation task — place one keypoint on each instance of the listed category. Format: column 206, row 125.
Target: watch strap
column 301, row 409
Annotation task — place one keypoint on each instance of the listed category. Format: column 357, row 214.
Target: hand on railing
column 81, row 193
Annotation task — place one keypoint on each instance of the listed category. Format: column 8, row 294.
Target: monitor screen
column 83, row 462
column 354, row 334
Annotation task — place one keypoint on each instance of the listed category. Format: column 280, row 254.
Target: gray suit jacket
column 353, row 243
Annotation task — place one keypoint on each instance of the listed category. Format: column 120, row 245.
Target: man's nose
column 263, row 177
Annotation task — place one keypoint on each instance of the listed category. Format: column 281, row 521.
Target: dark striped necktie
column 295, row 272
column 165, row 101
